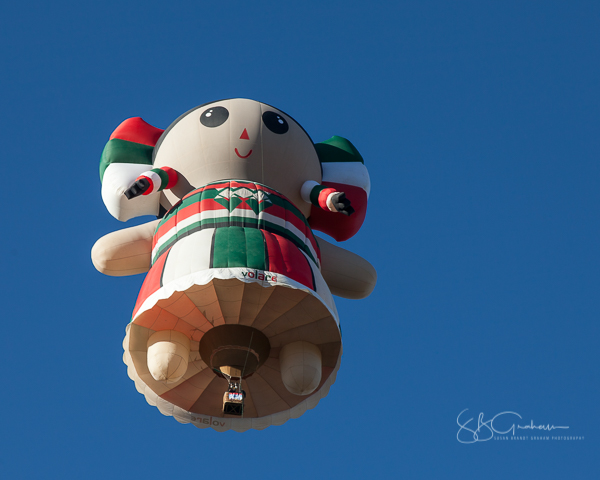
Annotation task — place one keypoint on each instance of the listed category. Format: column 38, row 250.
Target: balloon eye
column 214, row 116
column 275, row 122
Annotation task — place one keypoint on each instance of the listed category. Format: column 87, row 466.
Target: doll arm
column 151, row 181
column 347, row 274
column 327, row 198
column 125, row 252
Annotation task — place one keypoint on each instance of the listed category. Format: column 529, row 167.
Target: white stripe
column 292, row 228
column 349, row 173
column 206, row 214
column 196, row 217
column 191, row 254
column 307, row 187
column 155, row 179
column 203, row 277
column 322, row 288
column 118, row 177
column 163, row 239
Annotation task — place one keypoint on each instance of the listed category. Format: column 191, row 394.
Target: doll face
column 238, row 139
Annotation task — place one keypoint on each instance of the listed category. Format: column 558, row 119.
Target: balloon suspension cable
column 233, row 385
column 247, row 352
column 262, row 158
column 245, row 362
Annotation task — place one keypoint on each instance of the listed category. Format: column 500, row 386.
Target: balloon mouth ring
column 243, row 156
column 236, row 347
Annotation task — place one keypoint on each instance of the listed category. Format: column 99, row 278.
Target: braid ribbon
column 159, row 179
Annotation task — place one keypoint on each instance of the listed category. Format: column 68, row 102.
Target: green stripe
column 122, row 151
column 253, row 223
column 209, row 192
column 255, row 249
column 172, row 211
column 234, row 221
column 337, row 149
column 314, row 194
column 238, row 247
column 164, row 177
column 220, row 248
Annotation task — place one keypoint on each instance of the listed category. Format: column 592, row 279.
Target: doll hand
column 337, row 202
column 139, row 187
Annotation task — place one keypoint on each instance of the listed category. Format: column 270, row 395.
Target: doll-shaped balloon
column 237, row 284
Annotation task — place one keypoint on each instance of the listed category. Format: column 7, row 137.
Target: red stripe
column 151, row 189
column 183, row 213
column 335, row 224
column 173, row 177
column 323, row 194
column 280, row 212
column 151, row 282
column 244, row 205
column 287, row 259
column 210, row 204
column 289, row 216
column 136, row 130
column 252, row 186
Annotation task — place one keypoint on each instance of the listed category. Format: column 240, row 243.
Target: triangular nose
column 244, row 135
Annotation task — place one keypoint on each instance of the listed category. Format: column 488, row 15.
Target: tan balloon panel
column 204, row 154
column 300, row 364
column 201, row 377
column 283, row 314
column 168, row 355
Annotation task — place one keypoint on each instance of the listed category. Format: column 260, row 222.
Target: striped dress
column 234, row 229
column 233, row 252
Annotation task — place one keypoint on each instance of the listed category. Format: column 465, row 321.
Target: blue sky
column 478, row 122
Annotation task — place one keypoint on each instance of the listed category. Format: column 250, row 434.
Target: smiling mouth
column 242, row 156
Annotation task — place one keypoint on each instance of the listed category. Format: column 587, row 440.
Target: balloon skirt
column 287, row 302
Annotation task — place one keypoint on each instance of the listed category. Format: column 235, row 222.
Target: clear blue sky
column 479, row 124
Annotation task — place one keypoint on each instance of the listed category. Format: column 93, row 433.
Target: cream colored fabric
column 189, row 255
column 346, row 274
column 168, row 354
column 300, row 365
column 126, row 251
column 217, row 423
column 202, row 154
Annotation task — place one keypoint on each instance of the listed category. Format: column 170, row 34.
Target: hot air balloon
column 235, row 326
